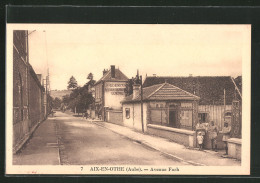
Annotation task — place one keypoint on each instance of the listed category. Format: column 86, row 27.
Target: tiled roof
column 146, row 92
column 119, row 76
column 209, row 89
column 164, row 91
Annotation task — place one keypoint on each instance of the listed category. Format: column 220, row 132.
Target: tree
column 57, row 103
column 72, row 84
column 79, row 100
column 50, row 104
column 129, row 87
column 131, row 82
column 66, row 100
column 90, row 76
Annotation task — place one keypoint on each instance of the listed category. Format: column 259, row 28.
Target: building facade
column 165, row 108
column 27, row 92
column 109, row 92
column 220, row 99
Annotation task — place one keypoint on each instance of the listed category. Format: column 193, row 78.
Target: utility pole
column 224, row 106
column 142, row 120
column 47, row 92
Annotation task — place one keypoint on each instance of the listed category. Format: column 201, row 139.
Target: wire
column 47, row 62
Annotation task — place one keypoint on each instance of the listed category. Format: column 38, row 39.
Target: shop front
column 168, row 112
column 176, row 114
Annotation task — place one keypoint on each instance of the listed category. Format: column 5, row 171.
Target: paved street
column 78, row 142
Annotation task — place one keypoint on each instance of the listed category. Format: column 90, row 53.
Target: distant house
column 109, row 91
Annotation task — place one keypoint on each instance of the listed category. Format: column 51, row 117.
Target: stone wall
column 20, row 88
column 115, row 116
column 35, row 99
column 185, row 137
column 27, row 92
column 234, row 148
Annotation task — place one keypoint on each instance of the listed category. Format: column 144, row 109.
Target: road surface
column 84, row 143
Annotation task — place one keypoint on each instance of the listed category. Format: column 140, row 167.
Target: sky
column 164, row 50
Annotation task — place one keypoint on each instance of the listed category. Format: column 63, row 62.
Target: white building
column 109, row 92
column 168, row 111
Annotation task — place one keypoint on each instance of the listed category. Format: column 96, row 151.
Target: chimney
column 136, row 90
column 113, row 71
column 104, row 72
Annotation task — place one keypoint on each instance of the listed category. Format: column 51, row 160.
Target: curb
column 152, row 147
column 216, row 153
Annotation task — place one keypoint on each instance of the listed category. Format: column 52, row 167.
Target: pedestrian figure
column 200, row 129
column 226, row 135
column 213, row 133
column 200, row 139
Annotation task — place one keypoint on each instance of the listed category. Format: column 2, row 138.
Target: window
column 161, row 105
column 127, row 113
column 228, row 114
column 203, row 117
column 157, row 105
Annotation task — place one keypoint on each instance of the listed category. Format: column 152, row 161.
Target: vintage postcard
column 128, row 99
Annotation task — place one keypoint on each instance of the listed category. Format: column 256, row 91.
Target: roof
column 238, row 81
column 34, row 76
column 119, row 76
column 210, row 89
column 164, row 91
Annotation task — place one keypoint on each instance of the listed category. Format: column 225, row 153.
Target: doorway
column 173, row 119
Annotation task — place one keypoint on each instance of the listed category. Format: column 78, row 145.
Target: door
column 173, row 119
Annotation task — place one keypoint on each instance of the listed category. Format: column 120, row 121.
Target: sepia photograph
column 128, row 99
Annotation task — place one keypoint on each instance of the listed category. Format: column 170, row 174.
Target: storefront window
column 127, row 113
column 203, row 117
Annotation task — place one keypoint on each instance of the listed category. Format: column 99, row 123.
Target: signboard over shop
column 115, row 88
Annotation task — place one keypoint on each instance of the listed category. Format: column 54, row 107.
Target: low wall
column 181, row 136
column 234, row 148
column 115, row 116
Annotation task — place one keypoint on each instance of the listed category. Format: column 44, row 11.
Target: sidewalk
column 41, row 148
column 171, row 149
